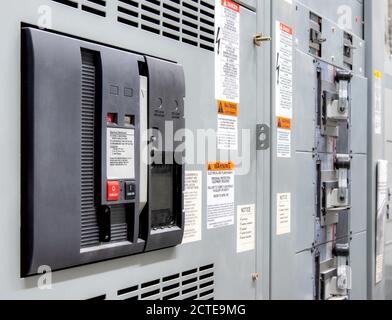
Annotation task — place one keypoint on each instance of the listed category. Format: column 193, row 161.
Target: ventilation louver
column 188, row 21
column 97, row 7
column 195, row 284
column 90, row 231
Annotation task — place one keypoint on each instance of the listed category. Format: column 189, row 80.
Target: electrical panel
column 97, row 181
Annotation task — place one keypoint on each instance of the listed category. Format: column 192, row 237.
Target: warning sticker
column 220, row 195
column 227, row 125
column 283, row 215
column 284, row 88
column 192, row 206
column 246, row 228
column 227, row 51
column 120, row 154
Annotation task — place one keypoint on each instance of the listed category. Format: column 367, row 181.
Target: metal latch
column 259, row 38
column 316, row 37
column 263, row 133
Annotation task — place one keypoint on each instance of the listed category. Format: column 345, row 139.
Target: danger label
column 220, row 195
column 120, row 154
column 227, row 51
column 284, row 88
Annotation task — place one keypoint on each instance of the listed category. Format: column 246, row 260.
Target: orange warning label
column 228, row 108
column 284, row 123
column 221, row 166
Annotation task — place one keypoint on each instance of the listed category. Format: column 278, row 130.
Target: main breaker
column 98, row 182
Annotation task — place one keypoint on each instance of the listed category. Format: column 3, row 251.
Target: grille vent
column 119, row 226
column 188, row 21
column 97, row 7
column 195, row 284
column 90, row 231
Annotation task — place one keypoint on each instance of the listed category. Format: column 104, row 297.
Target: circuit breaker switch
column 343, row 78
column 343, row 164
column 342, row 252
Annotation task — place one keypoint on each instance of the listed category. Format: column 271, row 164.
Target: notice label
column 120, row 154
column 227, row 125
column 246, row 228
column 283, row 214
column 192, row 206
column 220, row 195
column 284, row 88
column 227, row 51
column 382, row 202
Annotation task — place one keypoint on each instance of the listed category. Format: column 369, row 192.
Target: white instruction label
column 220, row 195
column 283, row 215
column 284, row 88
column 284, row 143
column 192, row 206
column 378, row 102
column 120, row 154
column 227, row 51
column 382, row 203
column 246, row 228
column 227, row 126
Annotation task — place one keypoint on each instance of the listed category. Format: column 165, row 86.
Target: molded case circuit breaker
column 96, row 183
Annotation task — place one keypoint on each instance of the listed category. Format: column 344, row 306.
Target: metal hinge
column 263, row 134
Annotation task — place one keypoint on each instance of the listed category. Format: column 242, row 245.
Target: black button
column 130, row 191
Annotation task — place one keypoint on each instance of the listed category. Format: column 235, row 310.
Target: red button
column 113, row 191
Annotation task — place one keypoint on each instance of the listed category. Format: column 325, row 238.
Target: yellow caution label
column 221, row 166
column 284, row 123
column 227, row 108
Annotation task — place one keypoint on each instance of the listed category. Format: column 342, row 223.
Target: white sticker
column 227, row 126
column 246, row 228
column 284, row 88
column 227, row 51
column 382, row 201
column 120, row 154
column 284, row 71
column 378, row 105
column 220, row 195
column 283, row 215
column 284, row 143
column 192, row 206
column 379, row 268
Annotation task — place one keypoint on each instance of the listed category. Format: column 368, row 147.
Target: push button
column 113, row 191
column 130, row 191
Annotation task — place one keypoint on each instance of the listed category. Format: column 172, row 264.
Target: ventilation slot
column 99, row 298
column 119, row 226
column 90, row 231
column 67, row 3
column 192, row 284
column 189, row 21
column 96, row 7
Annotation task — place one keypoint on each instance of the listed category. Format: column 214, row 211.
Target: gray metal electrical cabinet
column 324, row 238
column 155, row 55
column 79, row 199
